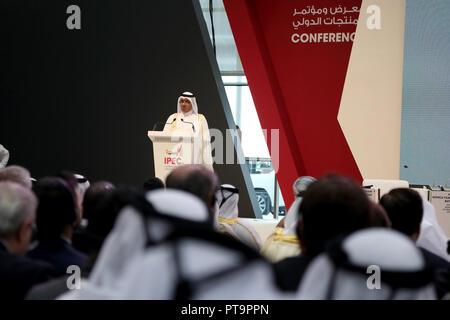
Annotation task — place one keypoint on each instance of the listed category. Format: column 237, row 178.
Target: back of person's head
column 104, row 213
column 95, row 195
column 102, row 218
column 153, row 184
column 57, row 208
column 301, row 184
column 17, row 205
column 399, row 270
column 331, row 206
column 378, row 217
column 70, row 178
column 72, row 182
column 405, row 210
column 195, row 179
column 16, row 174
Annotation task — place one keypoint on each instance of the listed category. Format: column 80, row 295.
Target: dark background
column 83, row 100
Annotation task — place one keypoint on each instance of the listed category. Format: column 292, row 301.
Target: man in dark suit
column 102, row 205
column 57, row 215
column 17, row 213
column 404, row 207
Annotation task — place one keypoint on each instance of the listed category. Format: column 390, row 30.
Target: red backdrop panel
column 297, row 83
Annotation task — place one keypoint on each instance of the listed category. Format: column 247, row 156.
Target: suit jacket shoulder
column 18, row 274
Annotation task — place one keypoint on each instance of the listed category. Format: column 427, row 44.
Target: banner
column 295, row 55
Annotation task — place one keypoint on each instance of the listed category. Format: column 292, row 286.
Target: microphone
column 161, row 122
column 193, row 128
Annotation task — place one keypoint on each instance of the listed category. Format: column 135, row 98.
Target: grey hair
column 301, row 184
column 17, row 203
column 16, row 174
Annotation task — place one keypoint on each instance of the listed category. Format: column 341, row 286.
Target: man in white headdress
column 188, row 120
column 353, row 268
column 229, row 222
column 4, row 156
column 130, row 236
column 299, row 187
column 283, row 242
column 330, row 206
column 190, row 259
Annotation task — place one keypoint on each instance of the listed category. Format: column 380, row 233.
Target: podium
column 171, row 150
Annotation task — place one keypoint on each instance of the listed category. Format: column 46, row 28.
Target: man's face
column 185, row 105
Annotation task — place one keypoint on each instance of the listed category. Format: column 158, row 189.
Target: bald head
column 195, row 179
column 16, row 174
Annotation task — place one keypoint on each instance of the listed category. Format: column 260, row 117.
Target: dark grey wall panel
column 83, row 100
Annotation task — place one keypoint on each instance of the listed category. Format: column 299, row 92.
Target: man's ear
column 24, row 229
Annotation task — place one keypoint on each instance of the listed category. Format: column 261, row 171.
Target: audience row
column 63, row 238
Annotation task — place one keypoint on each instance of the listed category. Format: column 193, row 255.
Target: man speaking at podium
column 187, row 119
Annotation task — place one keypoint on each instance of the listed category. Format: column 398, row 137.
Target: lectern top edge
column 169, row 136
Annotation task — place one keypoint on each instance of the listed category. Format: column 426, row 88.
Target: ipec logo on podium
column 174, row 156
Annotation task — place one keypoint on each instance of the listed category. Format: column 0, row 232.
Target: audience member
column 193, row 261
column 93, row 196
column 283, row 243
column 153, row 184
column 108, row 203
column 96, row 199
column 17, row 215
column 378, row 217
column 82, row 185
column 404, row 207
column 16, row 174
column 4, row 156
column 173, row 230
column 331, row 206
column 370, row 264
column 200, row 181
column 57, row 215
column 229, row 222
column 73, row 184
column 136, row 228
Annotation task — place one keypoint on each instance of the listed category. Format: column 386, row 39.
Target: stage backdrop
column 337, row 110
column 84, row 99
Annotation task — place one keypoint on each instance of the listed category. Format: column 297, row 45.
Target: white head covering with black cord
column 228, row 199
column 200, row 264
column 341, row 273
column 185, row 121
column 193, row 122
column 131, row 234
column 191, row 262
column 188, row 116
column 299, row 187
